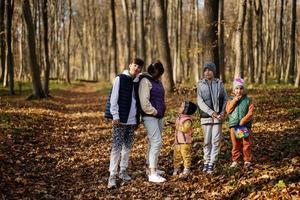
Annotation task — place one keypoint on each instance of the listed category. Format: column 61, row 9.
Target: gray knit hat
column 211, row 66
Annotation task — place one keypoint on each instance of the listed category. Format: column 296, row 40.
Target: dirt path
column 59, row 149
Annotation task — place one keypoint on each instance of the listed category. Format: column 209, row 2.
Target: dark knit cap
column 189, row 108
column 211, row 66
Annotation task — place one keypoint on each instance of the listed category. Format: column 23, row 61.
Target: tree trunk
column 280, row 45
column 177, row 49
column 221, row 41
column 113, row 51
column 259, row 40
column 250, row 40
column 46, row 46
column 10, row 61
column 141, row 31
column 68, row 44
column 210, row 35
column 290, row 75
column 239, row 72
column 2, row 39
column 35, row 69
column 127, row 34
column 163, row 44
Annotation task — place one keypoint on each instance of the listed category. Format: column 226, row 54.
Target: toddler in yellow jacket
column 183, row 137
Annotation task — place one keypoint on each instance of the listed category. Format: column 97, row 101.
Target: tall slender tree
column 10, row 60
column 163, row 43
column 290, row 75
column 127, row 35
column 68, row 80
column 250, row 40
column 2, row 39
column 221, row 41
column 113, row 48
column 38, row 91
column 46, row 46
column 141, row 31
column 210, row 35
column 239, row 72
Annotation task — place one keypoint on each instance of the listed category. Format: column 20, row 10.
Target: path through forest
column 59, row 148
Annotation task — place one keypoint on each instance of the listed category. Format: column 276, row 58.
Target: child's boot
column 210, row 168
column 124, row 176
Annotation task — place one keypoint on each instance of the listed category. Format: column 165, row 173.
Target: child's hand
column 220, row 117
column 237, row 98
column 116, row 122
column 215, row 115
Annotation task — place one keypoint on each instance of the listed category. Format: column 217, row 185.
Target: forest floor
column 59, row 148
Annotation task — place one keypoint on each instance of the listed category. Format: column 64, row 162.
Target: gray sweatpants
column 212, row 139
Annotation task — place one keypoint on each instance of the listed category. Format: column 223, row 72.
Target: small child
column 183, row 137
column 240, row 110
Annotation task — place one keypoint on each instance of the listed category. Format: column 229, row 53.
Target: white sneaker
column 234, row 164
column 175, row 172
column 186, row 171
column 112, row 182
column 247, row 164
column 156, row 178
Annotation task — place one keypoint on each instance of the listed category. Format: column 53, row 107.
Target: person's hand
column 116, row 122
column 237, row 98
column 220, row 117
column 215, row 115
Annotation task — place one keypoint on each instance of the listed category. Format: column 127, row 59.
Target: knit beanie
column 238, row 82
column 211, row 66
column 189, row 108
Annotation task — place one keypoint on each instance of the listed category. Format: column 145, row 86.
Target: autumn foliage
column 58, row 148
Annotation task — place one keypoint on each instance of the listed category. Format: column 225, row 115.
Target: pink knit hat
column 238, row 82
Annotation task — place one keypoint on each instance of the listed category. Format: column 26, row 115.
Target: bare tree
column 35, row 69
column 68, row 44
column 250, row 40
column 221, row 41
column 163, row 43
column 141, row 31
column 2, row 39
column 10, row 61
column 210, row 35
column 113, row 51
column 46, row 46
column 290, row 72
column 127, row 35
column 238, row 72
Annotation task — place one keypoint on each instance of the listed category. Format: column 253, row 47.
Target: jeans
column 123, row 136
column 154, row 128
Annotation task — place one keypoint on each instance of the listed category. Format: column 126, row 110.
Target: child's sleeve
column 230, row 105
column 186, row 126
column 248, row 116
column 114, row 106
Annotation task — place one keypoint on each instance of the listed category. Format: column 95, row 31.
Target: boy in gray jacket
column 211, row 98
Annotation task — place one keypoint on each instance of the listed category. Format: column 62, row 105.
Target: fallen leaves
column 59, row 148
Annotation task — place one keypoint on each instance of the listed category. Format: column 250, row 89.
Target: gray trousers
column 212, row 139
